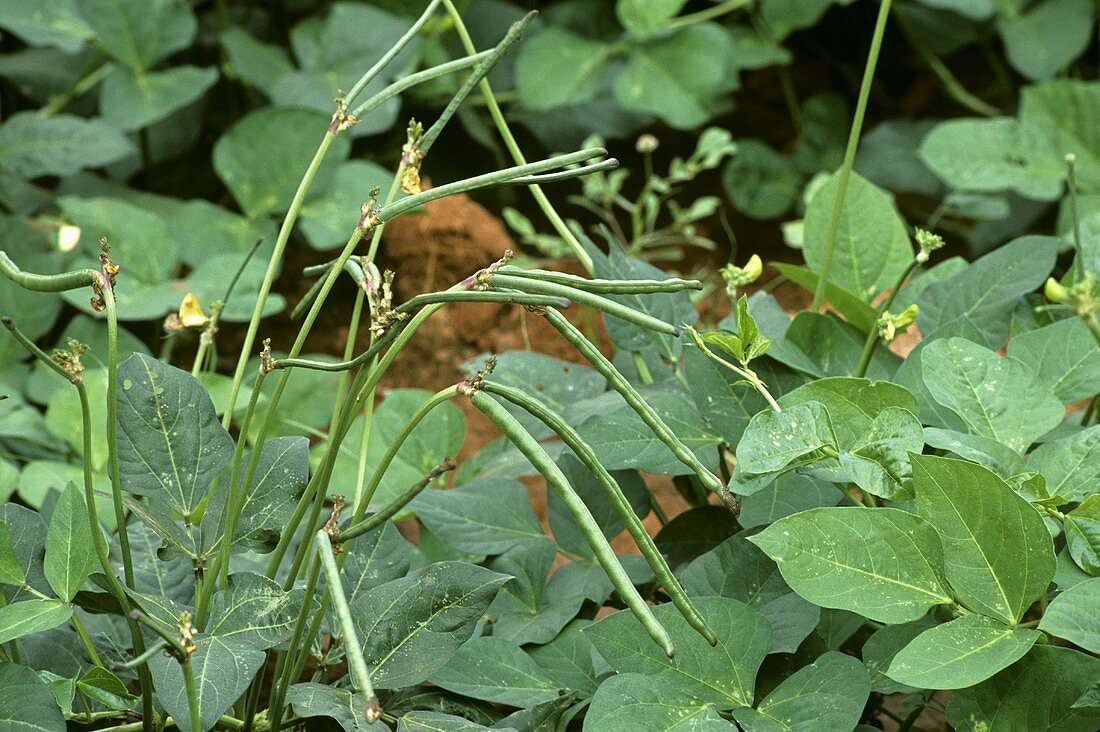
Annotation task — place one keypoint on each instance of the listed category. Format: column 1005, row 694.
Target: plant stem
column 871, row 342
column 192, row 697
column 394, row 507
column 391, row 54
column 744, row 372
column 86, row 641
column 513, row 147
column 850, row 153
column 557, row 481
column 357, row 665
column 407, row 82
column 707, row 14
column 604, row 287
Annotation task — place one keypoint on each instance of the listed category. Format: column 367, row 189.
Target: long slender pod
column 612, row 287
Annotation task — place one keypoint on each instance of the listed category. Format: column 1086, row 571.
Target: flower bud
column 928, row 243
column 1055, row 291
column 646, row 144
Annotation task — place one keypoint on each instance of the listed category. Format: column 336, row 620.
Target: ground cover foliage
column 876, row 536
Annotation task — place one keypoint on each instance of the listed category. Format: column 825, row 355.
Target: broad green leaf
column 634, row 701
column 644, row 17
column 204, row 231
column 985, row 451
column 527, row 609
column 568, row 659
column 724, row 677
column 739, row 570
column 566, row 532
column 171, row 578
column 31, row 616
column 411, row 627
column 139, row 33
column 10, row 571
column 992, row 155
column 557, row 67
column 1047, row 37
column 820, row 345
column 879, row 650
column 783, row 17
column 787, row 495
column 34, row 312
column 776, row 441
column 623, row 442
column 70, row 552
column 872, row 246
column 1059, row 113
column 1082, row 530
column 102, row 686
column 855, row 311
column 496, row 670
column 830, row 693
column 380, row 555
column 998, row 553
column 878, row 462
column 489, row 516
column 852, row 403
column 997, row 397
column 1063, row 355
column 318, row 700
column 1037, row 694
column 1070, row 465
column 329, row 219
column 48, row 23
column 1074, row 615
column 439, row 435
column 260, row 64
column 262, row 157
column 682, row 78
column 882, row 563
column 33, row 146
column 27, row 702
column 133, row 100
column 960, row 653
column 888, row 158
column 28, row 540
column 759, row 181
column 281, row 474
column 981, row 298
column 171, row 445
column 253, row 610
column 421, row 721
column 306, row 404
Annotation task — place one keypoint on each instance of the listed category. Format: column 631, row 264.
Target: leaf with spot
column 998, row 554
column 27, row 702
column 1070, row 465
column 32, row 616
column 960, row 653
column 318, row 700
column 496, row 670
column 171, row 445
column 830, row 693
column 1063, row 355
column 1074, row 615
column 797, row 436
column 488, row 516
column 1082, row 530
column 882, row 563
column 633, row 701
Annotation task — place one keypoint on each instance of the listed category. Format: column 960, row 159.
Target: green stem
column 136, row 661
column 634, row 399
column 709, row 13
column 557, row 481
column 615, row 495
column 871, row 342
column 419, row 77
column 513, row 147
column 850, row 154
column 357, row 665
column 394, row 507
column 223, row 721
column 86, row 640
column 192, row 696
column 391, row 54
column 603, row 287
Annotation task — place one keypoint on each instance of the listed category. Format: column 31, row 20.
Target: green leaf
column 819, row 344
column 777, row 441
column 33, row 146
column 139, row 33
column 739, row 570
column 1074, row 615
column 496, row 670
column 568, row 659
column 1070, row 465
column 262, row 157
column 32, row 616
column 724, row 677
column 879, row 650
column 268, row 504
column 328, row 219
column 872, row 245
column 830, row 693
column 998, row 553
column 1058, row 114
column 682, row 78
column 623, row 442
column 48, row 23
column 527, row 610
column 566, row 532
column 759, row 181
column 787, row 495
column 253, row 610
column 70, row 552
column 259, row 64
column 318, row 700
column 882, row 563
column 1063, row 355
column 981, row 298
column 11, row 573
column 1082, row 529
column 438, row 722
column 100, row 685
column 996, row 397
column 644, row 17
column 557, row 67
column 411, row 627
column 133, row 100
column 633, row 701
column 28, row 540
column 171, row 445
column 960, row 653
column 783, row 17
column 852, row 403
column 380, row 555
column 1047, row 37
column 27, row 702
column 489, row 515
column 855, row 311
column 1037, row 694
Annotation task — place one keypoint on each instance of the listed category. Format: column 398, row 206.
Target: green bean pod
column 557, row 481
column 47, row 283
column 618, row 500
column 609, row 307
column 394, row 507
column 634, row 399
column 612, row 287
column 514, row 298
